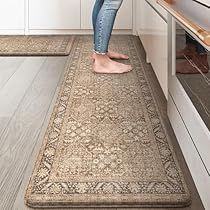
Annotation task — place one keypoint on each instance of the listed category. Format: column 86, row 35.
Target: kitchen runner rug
column 12, row 45
column 105, row 144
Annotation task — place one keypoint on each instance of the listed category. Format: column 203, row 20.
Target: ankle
column 101, row 59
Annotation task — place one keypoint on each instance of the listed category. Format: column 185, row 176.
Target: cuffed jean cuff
column 100, row 53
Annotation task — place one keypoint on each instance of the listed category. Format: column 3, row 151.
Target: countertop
column 191, row 14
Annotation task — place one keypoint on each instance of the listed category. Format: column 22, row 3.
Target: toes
column 114, row 55
column 128, row 70
column 125, row 57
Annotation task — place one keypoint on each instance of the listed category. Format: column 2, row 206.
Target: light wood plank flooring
column 28, row 90
column 24, row 103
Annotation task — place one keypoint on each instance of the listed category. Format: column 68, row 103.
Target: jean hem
column 99, row 53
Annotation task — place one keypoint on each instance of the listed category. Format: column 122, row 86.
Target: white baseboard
column 12, row 32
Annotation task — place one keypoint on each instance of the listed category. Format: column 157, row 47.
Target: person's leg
column 199, row 48
column 189, row 39
column 198, row 56
column 103, row 29
column 201, row 59
column 96, row 9
column 104, row 24
column 189, row 49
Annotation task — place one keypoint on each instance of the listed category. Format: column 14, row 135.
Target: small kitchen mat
column 17, row 45
column 106, row 144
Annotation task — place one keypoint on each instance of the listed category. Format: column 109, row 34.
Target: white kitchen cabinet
column 12, row 14
column 54, row 14
column 124, row 18
column 152, row 29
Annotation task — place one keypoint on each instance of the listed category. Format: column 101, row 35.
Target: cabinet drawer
column 124, row 18
column 54, row 14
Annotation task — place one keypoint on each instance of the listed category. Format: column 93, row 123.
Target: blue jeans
column 103, row 17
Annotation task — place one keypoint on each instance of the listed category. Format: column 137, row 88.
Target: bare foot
column 104, row 65
column 115, row 55
column 198, row 63
column 189, row 51
column 186, row 68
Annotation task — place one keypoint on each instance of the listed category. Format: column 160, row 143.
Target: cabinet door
column 124, row 18
column 12, row 14
column 152, row 30
column 54, row 14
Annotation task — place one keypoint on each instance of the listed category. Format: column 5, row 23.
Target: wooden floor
column 28, row 90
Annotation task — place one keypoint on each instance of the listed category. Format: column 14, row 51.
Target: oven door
column 189, row 87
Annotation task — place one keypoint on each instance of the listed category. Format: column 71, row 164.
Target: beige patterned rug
column 35, row 45
column 106, row 144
